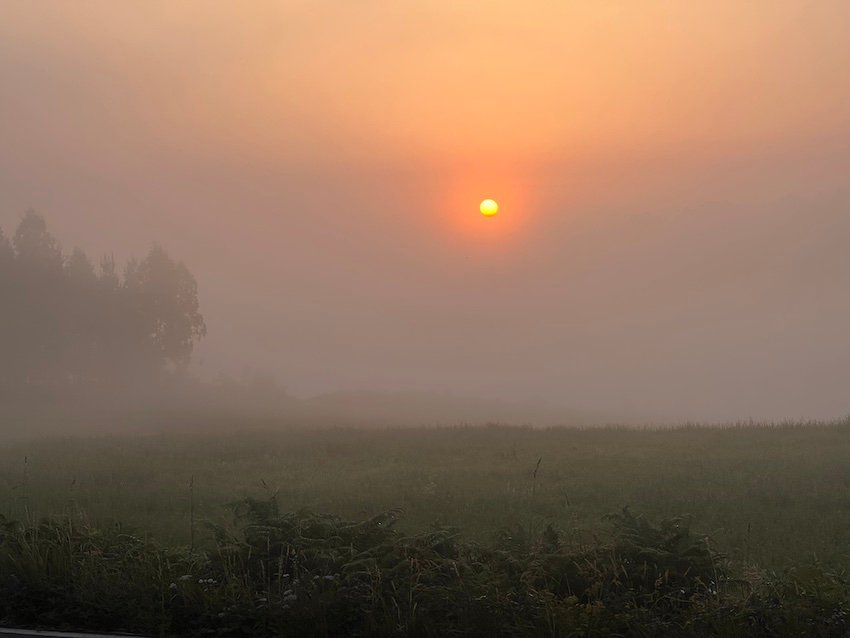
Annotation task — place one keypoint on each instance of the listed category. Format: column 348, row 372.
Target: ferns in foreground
column 275, row 573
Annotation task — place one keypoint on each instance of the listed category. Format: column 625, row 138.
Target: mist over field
column 419, row 318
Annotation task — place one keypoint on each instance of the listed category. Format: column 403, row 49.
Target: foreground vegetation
column 298, row 574
column 772, row 496
column 459, row 531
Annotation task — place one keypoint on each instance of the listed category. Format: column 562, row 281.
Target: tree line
column 65, row 322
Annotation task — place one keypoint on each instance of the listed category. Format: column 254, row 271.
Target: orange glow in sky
column 459, row 204
column 320, row 167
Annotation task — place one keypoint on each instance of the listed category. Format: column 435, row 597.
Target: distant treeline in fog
column 67, row 324
column 85, row 345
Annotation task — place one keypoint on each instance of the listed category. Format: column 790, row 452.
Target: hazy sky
column 674, row 238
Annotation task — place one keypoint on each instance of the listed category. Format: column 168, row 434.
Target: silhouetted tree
column 34, row 246
column 166, row 296
column 79, row 269
column 63, row 323
column 38, row 292
column 6, row 253
column 108, row 275
column 82, row 347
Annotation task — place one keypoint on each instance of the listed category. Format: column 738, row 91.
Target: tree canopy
column 65, row 322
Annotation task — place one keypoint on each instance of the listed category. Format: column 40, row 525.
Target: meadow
column 767, row 495
column 488, row 531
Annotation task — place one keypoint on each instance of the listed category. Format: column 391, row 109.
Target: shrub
column 279, row 573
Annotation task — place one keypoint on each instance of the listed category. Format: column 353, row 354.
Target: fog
column 673, row 239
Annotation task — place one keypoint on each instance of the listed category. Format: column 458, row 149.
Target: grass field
column 766, row 495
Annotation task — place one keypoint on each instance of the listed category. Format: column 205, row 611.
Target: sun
column 489, row 207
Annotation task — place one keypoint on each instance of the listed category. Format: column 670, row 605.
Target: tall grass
column 775, row 496
column 277, row 573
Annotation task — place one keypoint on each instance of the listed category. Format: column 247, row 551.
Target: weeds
column 276, row 573
column 770, row 496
